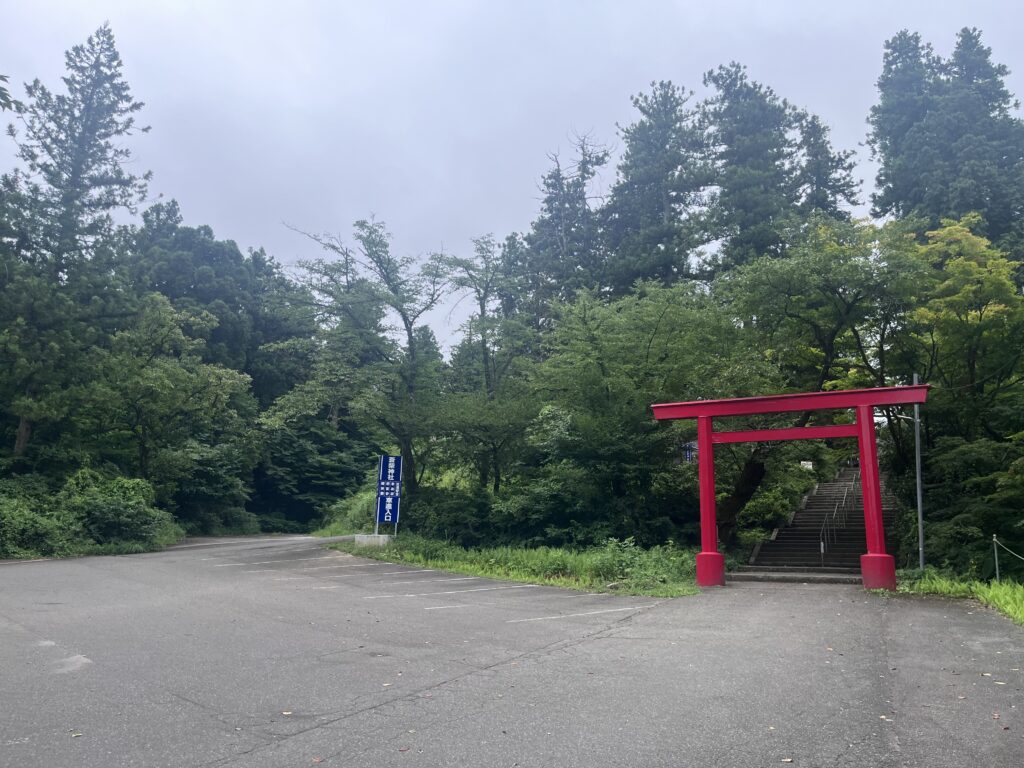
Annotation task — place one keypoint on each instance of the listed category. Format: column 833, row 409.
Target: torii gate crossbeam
column 878, row 568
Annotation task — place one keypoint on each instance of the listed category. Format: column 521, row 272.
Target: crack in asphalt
column 416, row 697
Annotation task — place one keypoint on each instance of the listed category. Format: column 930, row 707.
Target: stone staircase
column 834, row 512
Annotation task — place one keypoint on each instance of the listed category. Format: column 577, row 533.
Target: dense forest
column 156, row 380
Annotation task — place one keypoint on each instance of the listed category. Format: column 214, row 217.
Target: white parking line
column 445, row 607
column 291, row 578
column 177, row 547
column 587, row 613
column 582, row 594
column 453, row 592
column 392, row 573
column 427, row 581
column 284, row 560
column 321, row 567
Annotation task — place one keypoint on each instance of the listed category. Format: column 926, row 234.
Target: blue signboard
column 387, row 509
column 390, row 469
column 389, row 489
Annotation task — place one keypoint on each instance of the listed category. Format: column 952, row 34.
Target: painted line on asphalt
column 284, row 560
column 291, row 578
column 453, row 592
column 392, row 573
column 427, row 581
column 235, row 541
column 446, row 607
column 347, row 576
column 583, row 594
column 322, row 567
column 586, row 613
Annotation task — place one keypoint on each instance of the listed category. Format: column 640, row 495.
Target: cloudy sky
column 438, row 117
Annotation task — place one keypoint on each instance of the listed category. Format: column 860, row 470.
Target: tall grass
column 1007, row 597
column 618, row 566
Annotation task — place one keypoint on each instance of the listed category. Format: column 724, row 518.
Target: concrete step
column 820, row 576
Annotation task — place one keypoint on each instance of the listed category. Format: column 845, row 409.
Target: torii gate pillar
column 710, row 562
column 877, row 567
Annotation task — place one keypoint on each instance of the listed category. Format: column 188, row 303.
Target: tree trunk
column 409, row 468
column 23, row 435
column 746, row 486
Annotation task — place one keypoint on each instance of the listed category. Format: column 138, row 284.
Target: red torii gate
column 878, row 569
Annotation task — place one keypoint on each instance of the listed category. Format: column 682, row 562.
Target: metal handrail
column 828, row 532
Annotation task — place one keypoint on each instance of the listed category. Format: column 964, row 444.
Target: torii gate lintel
column 878, row 568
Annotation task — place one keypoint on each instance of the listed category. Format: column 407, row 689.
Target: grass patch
column 1007, row 597
column 618, row 566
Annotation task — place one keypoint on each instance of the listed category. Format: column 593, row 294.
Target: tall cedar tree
column 947, row 140
column 659, row 180
column 769, row 162
column 75, row 177
column 564, row 242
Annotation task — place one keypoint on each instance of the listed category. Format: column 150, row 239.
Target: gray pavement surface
column 277, row 652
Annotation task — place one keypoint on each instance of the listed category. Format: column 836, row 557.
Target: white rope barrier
column 997, row 541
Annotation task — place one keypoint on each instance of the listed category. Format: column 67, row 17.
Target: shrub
column 353, row 514
column 24, row 532
column 452, row 514
column 118, row 509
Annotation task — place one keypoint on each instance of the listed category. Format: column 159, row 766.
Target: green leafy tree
column 157, row 412
column 971, row 334
column 255, row 304
column 363, row 284
column 485, row 408
column 594, row 437
column 6, row 102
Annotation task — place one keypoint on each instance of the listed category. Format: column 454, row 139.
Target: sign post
column 389, row 492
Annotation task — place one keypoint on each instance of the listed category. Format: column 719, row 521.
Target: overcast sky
column 437, row 117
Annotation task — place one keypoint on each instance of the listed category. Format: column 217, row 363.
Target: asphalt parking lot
column 277, row 652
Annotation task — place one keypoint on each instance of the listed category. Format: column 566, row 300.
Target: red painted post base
column 710, row 569
column 877, row 571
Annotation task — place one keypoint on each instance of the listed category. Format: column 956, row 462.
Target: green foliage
column 6, row 102
column 1007, row 597
column 90, row 514
column 118, row 509
column 620, row 566
column 946, row 137
column 352, row 514
column 24, row 532
column 770, row 162
column 647, row 220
